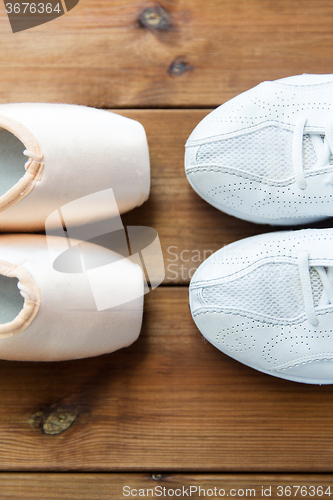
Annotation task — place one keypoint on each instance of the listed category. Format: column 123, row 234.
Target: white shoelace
column 323, row 150
column 304, row 271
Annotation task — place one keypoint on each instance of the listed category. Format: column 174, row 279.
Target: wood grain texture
column 189, row 228
column 187, row 53
column 170, row 402
column 69, row 486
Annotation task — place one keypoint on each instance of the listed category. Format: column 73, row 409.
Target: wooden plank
column 189, row 228
column 168, row 54
column 105, row 486
column 170, row 402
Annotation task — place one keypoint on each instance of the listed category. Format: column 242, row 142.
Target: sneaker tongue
column 317, row 287
column 319, row 296
column 312, row 150
column 312, row 146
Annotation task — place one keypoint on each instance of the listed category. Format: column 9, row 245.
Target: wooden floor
column 170, row 410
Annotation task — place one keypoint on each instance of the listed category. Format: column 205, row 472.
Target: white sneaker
column 267, row 301
column 266, row 155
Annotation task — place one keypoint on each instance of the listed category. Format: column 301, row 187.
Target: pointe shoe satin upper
column 65, row 315
column 73, row 151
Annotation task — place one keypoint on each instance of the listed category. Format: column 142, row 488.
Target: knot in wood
column 155, row 18
column 59, row 420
